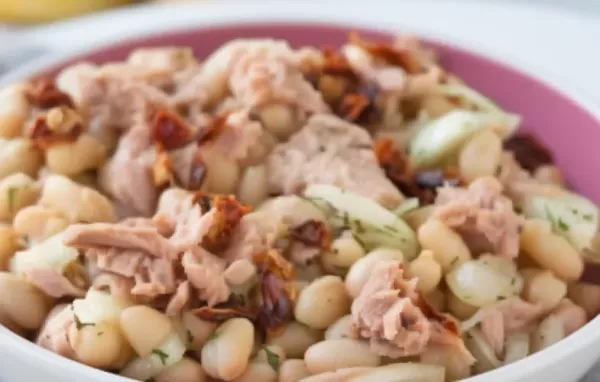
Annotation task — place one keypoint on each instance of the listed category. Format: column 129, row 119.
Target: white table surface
column 543, row 43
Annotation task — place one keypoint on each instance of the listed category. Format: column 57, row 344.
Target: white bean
column 73, row 158
column 224, row 173
column 426, row 270
column 480, row 156
column 339, row 354
column 76, row 202
column 239, row 272
column 361, row 270
column 447, row 246
column 322, row 302
column 294, row 338
column 38, row 223
column 16, row 192
column 548, row 332
column 253, row 187
column 99, row 345
column 9, row 244
column 345, row 251
column 402, row 372
column 551, row 251
column 21, row 302
column 545, row 289
column 279, row 120
column 226, row 356
column 144, row 328
column 258, row 372
column 293, row 370
column 573, row 316
column 18, row 155
column 416, row 218
column 457, row 367
column 14, row 110
column 195, row 331
column 186, row 370
column 587, row 296
column 342, row 328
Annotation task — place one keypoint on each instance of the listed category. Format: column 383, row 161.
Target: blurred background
column 21, row 12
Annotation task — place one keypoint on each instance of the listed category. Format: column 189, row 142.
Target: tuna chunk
column 256, row 233
column 128, row 175
column 331, row 151
column 506, row 317
column 482, row 216
column 205, row 272
column 384, row 314
column 53, row 283
column 180, row 299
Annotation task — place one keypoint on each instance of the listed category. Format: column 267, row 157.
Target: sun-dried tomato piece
column 353, row 106
column 228, row 213
column 336, row 65
column 387, row 52
column 529, row 151
column 432, row 314
column 276, row 303
column 45, row 95
column 274, row 262
column 170, row 131
column 43, row 137
column 221, row 314
column 313, row 233
column 211, row 131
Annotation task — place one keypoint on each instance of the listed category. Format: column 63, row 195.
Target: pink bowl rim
column 523, row 368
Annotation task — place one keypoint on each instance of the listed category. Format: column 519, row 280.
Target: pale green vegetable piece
column 572, row 216
column 372, row 225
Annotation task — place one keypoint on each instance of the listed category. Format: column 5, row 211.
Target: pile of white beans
column 319, row 343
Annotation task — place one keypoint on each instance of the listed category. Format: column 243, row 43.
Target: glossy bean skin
column 18, row 155
column 480, row 156
column 293, row 370
column 258, row 371
column 100, row 345
column 447, row 246
column 342, row 328
column 226, row 355
column 322, row 302
column 294, row 338
column 144, row 328
column 331, row 355
column 545, row 289
column 9, row 244
column 186, row 370
column 21, row 302
column 426, row 270
column 253, row 185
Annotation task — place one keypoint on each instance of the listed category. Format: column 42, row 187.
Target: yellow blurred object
column 33, row 11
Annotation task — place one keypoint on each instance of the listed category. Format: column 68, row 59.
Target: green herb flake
column 558, row 224
column 214, row 336
column 190, row 337
column 162, row 355
column 359, row 226
column 80, row 325
column 359, row 241
column 454, row 261
column 11, row 196
column 336, row 251
column 562, row 225
column 513, row 281
column 500, row 298
column 390, row 228
column 100, row 333
column 588, row 217
column 518, row 209
column 272, row 358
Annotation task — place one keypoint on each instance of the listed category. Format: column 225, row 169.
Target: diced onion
column 169, row 353
column 517, row 347
column 97, row 307
column 403, row 372
column 572, row 216
column 49, row 254
column 485, row 280
column 372, row 225
column 408, row 205
column 483, row 103
column 442, row 138
column 482, row 351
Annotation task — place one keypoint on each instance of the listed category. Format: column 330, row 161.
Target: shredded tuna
column 256, row 233
column 118, row 286
column 482, row 215
column 328, row 150
column 205, row 272
column 53, row 283
column 506, row 317
column 180, row 300
column 383, row 314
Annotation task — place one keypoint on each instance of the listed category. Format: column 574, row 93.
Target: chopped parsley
column 214, row 336
column 359, row 241
column 80, row 325
column 588, row 217
column 11, row 196
column 513, row 281
column 100, row 333
column 390, row 228
column 454, row 261
column 190, row 337
column 162, row 355
column 500, row 298
column 336, row 251
column 562, row 225
column 558, row 224
column 359, row 226
column 272, row 358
